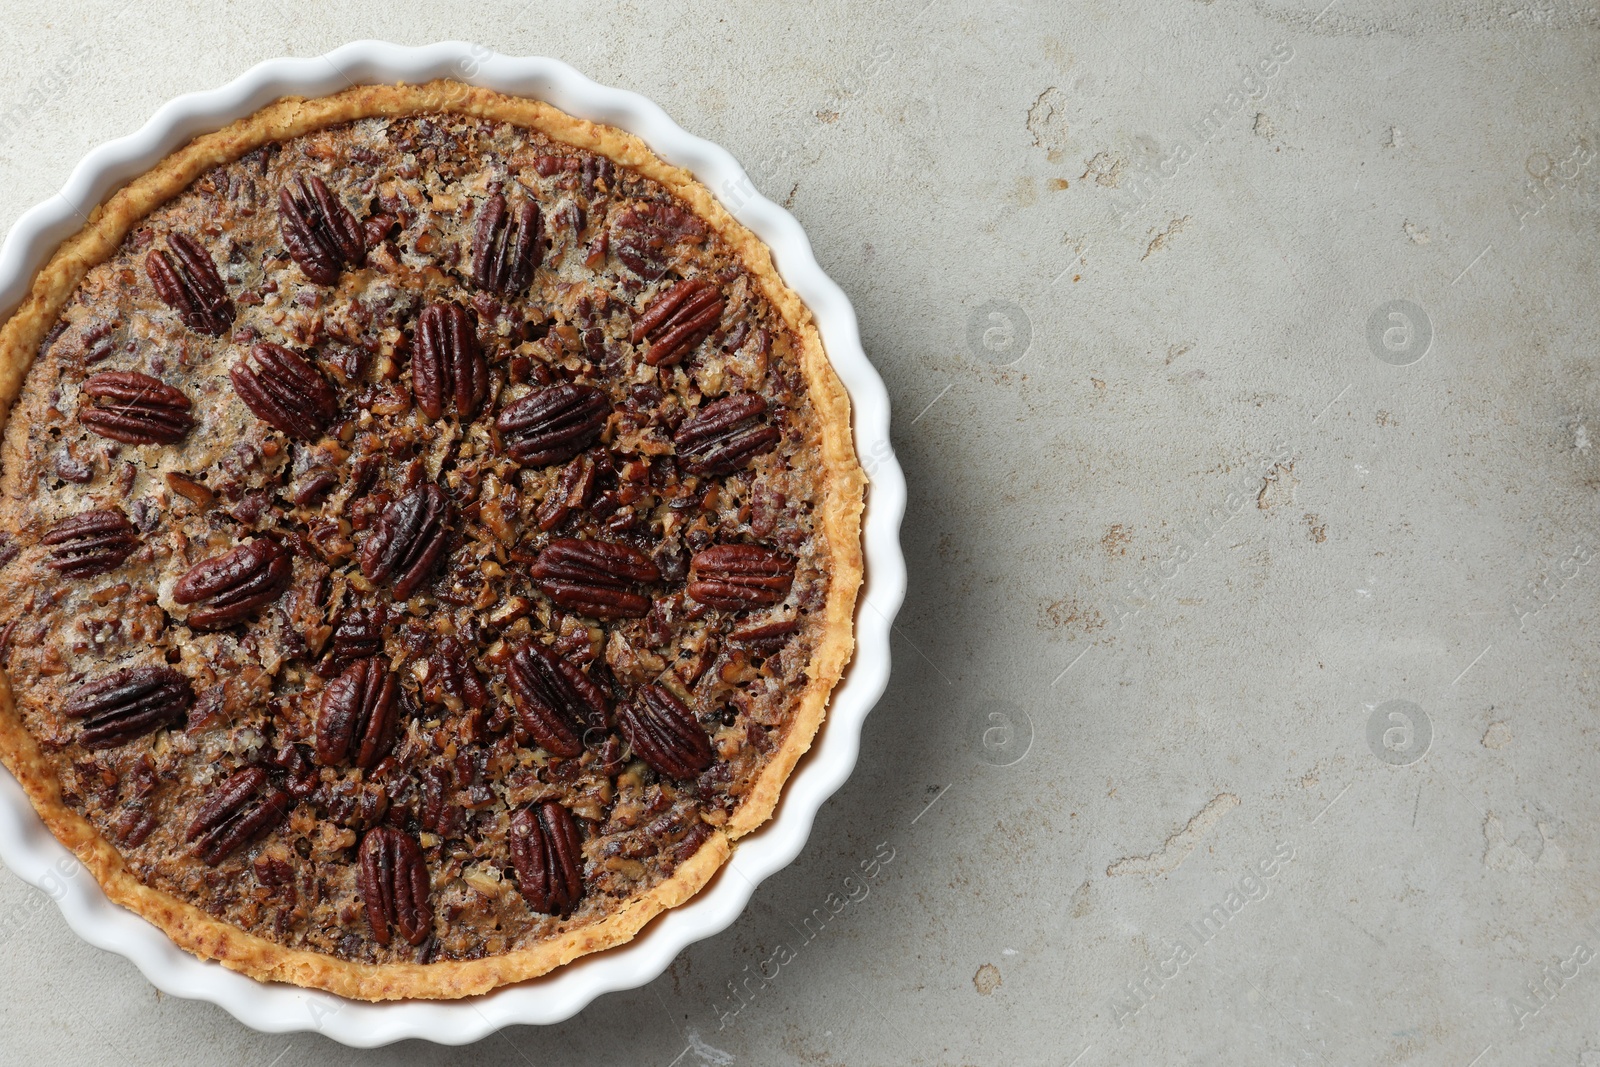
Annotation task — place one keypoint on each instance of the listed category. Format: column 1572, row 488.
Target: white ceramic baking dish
column 29, row 849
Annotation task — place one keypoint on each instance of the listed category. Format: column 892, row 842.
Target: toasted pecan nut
column 134, row 408
column 573, row 488
column 765, row 638
column 358, row 634
column 548, row 856
column 283, row 390
column 664, row 733
column 555, row 700
column 435, row 812
column 553, row 424
column 447, row 363
column 408, row 540
column 91, row 543
column 231, row 586
column 453, row 676
column 506, row 250
column 243, row 809
column 648, row 237
column 129, row 703
column 393, row 883
column 596, row 177
column 725, row 435
column 360, row 709
column 679, row 319
column 320, row 233
column 187, row 281
column 739, row 577
column 596, row 578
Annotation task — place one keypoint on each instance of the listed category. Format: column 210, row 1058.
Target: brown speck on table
column 1116, row 539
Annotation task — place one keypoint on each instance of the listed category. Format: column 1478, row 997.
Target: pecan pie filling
column 410, row 540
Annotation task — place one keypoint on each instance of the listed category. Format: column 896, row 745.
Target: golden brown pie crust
column 839, row 520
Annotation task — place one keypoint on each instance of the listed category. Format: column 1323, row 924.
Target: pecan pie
column 429, row 536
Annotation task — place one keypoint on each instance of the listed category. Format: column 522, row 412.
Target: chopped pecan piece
column 133, row 826
column 597, row 177
column 408, row 540
column 678, row 319
column 376, row 230
column 243, row 809
column 358, row 634
column 393, row 883
column 360, row 709
column 766, row 637
column 739, row 577
column 69, row 467
column 319, row 231
column 646, row 237
column 190, row 285
column 548, row 857
column 313, row 487
column 285, row 391
column 436, row 813
column 134, row 408
column 129, row 703
column 190, row 490
column 451, row 673
column 299, row 772
column 664, row 733
column 572, row 491
column 725, row 435
column 447, row 363
column 596, row 578
column 231, row 586
column 555, row 699
column 553, row 424
column 91, row 543
column 505, row 253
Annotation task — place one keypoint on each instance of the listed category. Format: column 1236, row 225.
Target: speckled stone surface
column 1243, row 356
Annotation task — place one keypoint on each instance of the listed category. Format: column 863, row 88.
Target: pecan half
column 134, row 408
column 283, row 390
column 725, row 435
column 90, row 543
column 678, row 319
column 187, row 281
column 407, row 540
column 243, row 809
column 505, row 253
column 447, row 363
column 393, row 883
column 555, row 699
column 739, row 577
column 230, row 586
column 318, row 230
column 553, row 424
column 359, row 713
column 664, row 733
column 548, row 857
column 129, row 703
column 596, row 578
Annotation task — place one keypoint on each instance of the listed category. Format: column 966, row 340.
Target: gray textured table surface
column 1193, row 502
